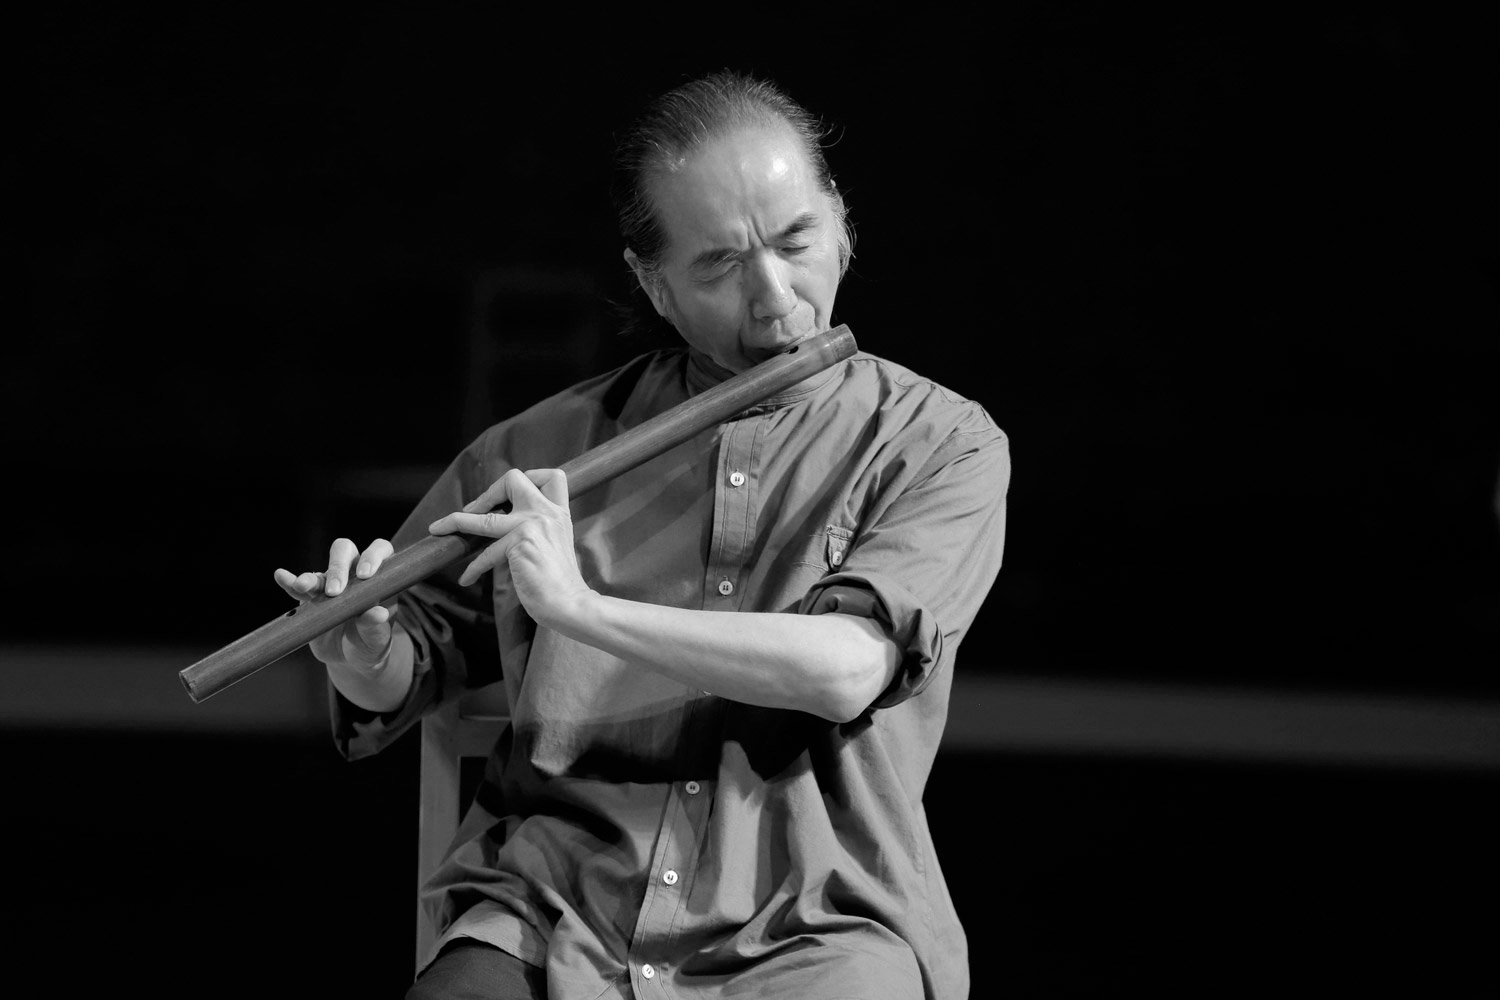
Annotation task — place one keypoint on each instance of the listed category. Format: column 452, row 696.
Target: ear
column 654, row 288
column 844, row 238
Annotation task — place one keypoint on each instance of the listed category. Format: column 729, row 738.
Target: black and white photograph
column 707, row 503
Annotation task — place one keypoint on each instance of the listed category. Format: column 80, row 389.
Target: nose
column 771, row 295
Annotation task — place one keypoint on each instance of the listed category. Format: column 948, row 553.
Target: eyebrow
column 713, row 258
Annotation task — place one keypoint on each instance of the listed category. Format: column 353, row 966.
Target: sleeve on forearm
column 923, row 567
column 452, row 628
column 453, row 650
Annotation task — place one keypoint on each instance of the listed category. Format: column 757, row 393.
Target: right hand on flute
column 362, row 642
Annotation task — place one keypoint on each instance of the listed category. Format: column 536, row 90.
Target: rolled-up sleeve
column 924, row 563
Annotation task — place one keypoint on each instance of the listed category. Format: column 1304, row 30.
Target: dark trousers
column 471, row 970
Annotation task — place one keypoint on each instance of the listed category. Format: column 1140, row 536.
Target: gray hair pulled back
column 683, row 120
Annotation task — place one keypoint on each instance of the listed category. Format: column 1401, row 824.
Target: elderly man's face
column 751, row 265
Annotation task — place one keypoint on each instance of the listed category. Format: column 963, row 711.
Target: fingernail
column 363, row 570
column 332, row 587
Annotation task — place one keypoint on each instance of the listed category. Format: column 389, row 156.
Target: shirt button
column 726, row 588
column 736, row 479
column 836, row 558
column 693, row 788
column 648, row 972
column 669, row 877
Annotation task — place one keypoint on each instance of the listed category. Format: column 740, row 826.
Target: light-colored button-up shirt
column 633, row 834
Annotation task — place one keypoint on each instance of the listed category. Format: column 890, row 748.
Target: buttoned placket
column 674, row 861
column 669, row 881
column 734, row 513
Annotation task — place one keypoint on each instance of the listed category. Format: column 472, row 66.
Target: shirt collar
column 704, row 372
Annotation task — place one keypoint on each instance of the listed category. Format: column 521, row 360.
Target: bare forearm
column 378, row 688
column 830, row 665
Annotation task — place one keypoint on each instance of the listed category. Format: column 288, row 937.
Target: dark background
column 1225, row 276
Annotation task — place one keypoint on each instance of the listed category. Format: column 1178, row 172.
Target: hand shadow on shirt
column 774, row 739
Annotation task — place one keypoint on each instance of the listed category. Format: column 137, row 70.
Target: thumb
column 374, row 631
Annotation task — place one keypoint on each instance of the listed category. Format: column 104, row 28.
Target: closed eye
column 719, row 271
column 711, row 265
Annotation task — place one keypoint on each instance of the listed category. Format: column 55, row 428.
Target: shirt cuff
column 909, row 624
column 360, row 732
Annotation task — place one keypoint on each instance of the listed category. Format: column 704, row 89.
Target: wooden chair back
column 468, row 727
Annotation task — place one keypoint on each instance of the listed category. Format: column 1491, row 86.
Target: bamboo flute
column 293, row 630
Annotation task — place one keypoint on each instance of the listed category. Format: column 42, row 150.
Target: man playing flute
column 729, row 668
